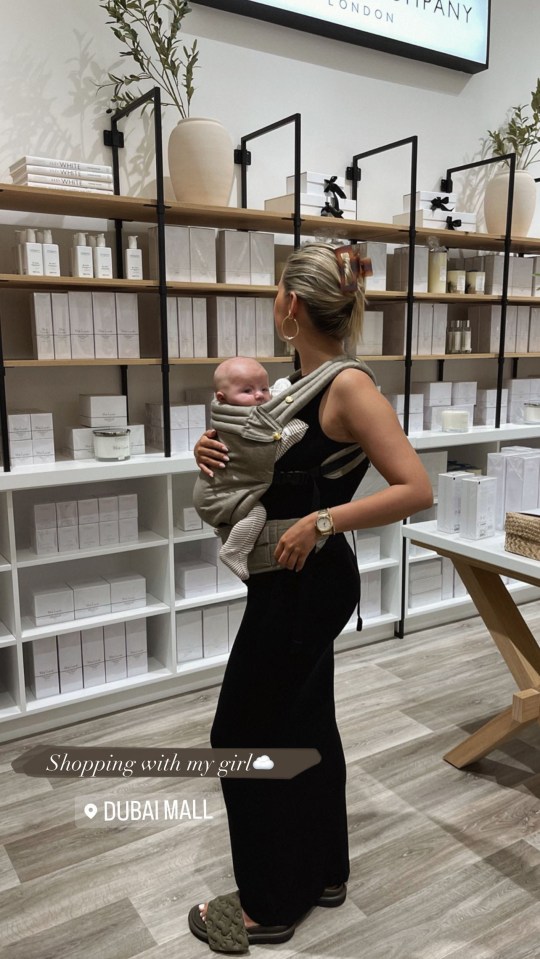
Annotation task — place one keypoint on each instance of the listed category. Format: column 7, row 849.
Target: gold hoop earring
column 293, row 337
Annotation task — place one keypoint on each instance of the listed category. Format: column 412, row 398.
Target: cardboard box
column 70, row 661
column 93, row 656
column 233, row 257
column 185, row 326
column 264, row 327
column 91, row 597
column 221, row 326
column 42, row 667
column 202, row 252
column 114, row 643
column 200, row 336
column 127, row 313
column 52, row 604
column 103, row 410
column 477, row 507
column 136, row 647
column 89, row 536
column 127, row 592
column 172, row 327
column 68, row 539
column 194, row 578
column 435, row 394
column 261, row 258
column 246, row 343
column 395, row 327
column 377, row 253
column 61, row 325
column 177, row 254
column 449, row 504
column 189, row 638
column 44, row 540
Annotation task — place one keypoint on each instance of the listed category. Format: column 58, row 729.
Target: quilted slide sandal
column 224, row 929
column 333, row 896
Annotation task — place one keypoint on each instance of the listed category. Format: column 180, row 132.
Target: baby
column 242, row 381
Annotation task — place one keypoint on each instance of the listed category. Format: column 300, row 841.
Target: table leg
column 496, row 732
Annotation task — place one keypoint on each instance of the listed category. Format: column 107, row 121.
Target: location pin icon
column 90, row 810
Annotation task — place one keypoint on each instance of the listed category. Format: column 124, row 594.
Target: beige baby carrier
column 250, row 434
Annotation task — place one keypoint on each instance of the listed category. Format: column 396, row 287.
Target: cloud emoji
column 263, row 762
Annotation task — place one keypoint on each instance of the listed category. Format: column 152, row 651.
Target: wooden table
column 480, row 564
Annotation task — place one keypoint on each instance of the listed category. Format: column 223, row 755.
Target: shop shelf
column 147, row 539
column 156, row 671
column 153, row 608
column 209, row 599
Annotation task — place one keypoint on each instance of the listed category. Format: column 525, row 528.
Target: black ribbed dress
column 289, row 837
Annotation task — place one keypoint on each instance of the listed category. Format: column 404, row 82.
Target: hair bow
column 352, row 267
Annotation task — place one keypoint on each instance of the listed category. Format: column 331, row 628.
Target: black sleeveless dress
column 289, row 837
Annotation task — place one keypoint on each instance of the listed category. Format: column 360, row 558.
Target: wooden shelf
column 116, row 361
column 41, row 283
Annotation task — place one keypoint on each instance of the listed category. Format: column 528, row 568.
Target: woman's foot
column 249, row 923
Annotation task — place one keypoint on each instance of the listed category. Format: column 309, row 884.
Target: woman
column 289, row 837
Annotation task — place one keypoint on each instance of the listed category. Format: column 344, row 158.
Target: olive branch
column 520, row 134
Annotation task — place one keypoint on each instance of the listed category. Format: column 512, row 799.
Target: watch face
column 324, row 524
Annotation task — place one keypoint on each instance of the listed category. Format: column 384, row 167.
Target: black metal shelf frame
column 114, row 139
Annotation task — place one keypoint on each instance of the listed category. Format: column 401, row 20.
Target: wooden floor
column 445, row 863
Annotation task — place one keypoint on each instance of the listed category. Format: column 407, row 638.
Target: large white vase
column 201, row 162
column 496, row 199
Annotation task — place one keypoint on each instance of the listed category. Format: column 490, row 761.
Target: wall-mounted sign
column 451, row 33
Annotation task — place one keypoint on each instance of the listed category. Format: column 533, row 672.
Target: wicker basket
column 523, row 534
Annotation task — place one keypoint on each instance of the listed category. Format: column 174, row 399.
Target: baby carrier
column 250, row 434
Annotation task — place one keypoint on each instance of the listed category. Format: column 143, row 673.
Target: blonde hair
column 312, row 273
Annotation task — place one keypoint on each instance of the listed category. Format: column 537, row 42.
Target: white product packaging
column 221, row 326
column 371, row 341
column 534, row 329
column 81, row 323
column 44, row 515
column 521, row 276
column 264, row 326
column 89, row 536
column 189, row 640
column 70, row 661
column 128, row 506
column 128, row 530
column 176, row 254
column 435, row 394
column 52, row 605
column 437, row 218
column 79, row 439
column 104, row 308
column 19, row 425
column 395, row 327
column 61, row 314
column 114, row 644
column 42, row 326
column 31, row 254
column 440, row 322
column 245, row 326
column 87, row 511
column 42, row 663
column 44, row 540
column 196, row 416
column 522, row 329
column 215, row 630
column 21, row 451
column 185, row 326
column 397, row 402
column 91, row 597
column 172, row 327
column 377, row 253
column 202, row 252
column 262, row 259
column 200, row 334
column 107, row 508
column 102, row 410
column 67, row 513
column 127, row 313
column 312, row 182
column 93, row 656
column 464, row 393
column 368, row 547
column 236, row 612
column 188, row 518
column 136, row 439
column 424, row 198
column 477, row 507
column 449, row 504
column 522, row 481
column 496, row 468
column 459, row 585
column 486, row 328
column 310, row 203
column 233, row 257
column 68, row 539
column 401, row 268
column 194, row 578
column 109, row 532
column 43, row 446
column 127, row 592
column 370, row 596
column 136, row 647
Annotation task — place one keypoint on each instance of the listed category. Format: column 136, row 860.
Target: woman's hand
column 297, row 543
column 210, row 453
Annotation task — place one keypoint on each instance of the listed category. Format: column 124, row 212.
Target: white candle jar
column 455, row 421
column 111, row 444
column 456, row 281
column 531, row 412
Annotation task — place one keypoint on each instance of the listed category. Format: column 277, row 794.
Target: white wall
column 53, row 52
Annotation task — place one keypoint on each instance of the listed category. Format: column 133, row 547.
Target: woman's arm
column 210, row 453
column 356, row 412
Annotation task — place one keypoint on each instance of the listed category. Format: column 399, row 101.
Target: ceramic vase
column 201, row 162
column 496, row 199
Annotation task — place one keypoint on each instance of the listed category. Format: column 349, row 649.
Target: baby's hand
column 210, row 453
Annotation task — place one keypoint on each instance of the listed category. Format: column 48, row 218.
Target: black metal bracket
column 116, row 142
column 353, row 173
column 113, row 138
column 243, row 157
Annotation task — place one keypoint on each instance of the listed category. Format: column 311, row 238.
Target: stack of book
column 56, row 174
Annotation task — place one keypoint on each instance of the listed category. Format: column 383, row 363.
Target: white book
column 59, row 171
column 28, row 179
column 70, row 189
column 66, row 164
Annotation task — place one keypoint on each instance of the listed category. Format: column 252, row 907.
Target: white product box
column 368, row 547
column 522, row 329
column 371, row 341
column 109, row 532
column 202, row 252
column 189, row 640
column 179, row 416
column 436, row 219
column 236, row 612
column 52, row 605
column 37, row 458
column 221, row 326
column 128, row 530
column 67, row 513
column 486, row 415
column 41, row 423
column 83, row 310
column 245, row 326
column 434, row 416
column 106, row 348
column 176, row 253
column 188, row 518
column 194, row 578
column 136, row 439
column 200, row 335
column 19, row 426
column 425, row 584
column 262, row 259
column 425, row 570
column 435, row 394
column 310, row 203
column 196, row 415
column 172, row 326
column 428, row 598
column 107, row 508
column 312, row 182
column 43, row 347
column 449, row 505
column 82, row 346
column 496, row 468
column 522, row 481
column 477, row 507
column 377, row 253
column 233, row 257
column 70, row 661
column 43, row 446
column 521, row 276
column 68, row 539
column 91, row 597
column 128, row 345
column 486, row 398
column 127, row 313
column 127, row 592
column 534, row 330
column 44, row 515
column 114, row 643
column 136, row 647
column 62, row 347
column 87, row 511
column 42, row 662
column 215, row 630
column 370, row 596
column 103, row 410
column 89, row 536
column 447, row 589
column 41, row 313
column 21, row 451
column 397, row 402
column 464, row 392
column 61, row 325
column 440, row 322
column 264, row 326
column 44, row 540
column 395, row 327
column 401, row 268
column 185, row 326
column 423, row 199
column 128, row 506
column 486, row 328
column 93, row 656
column 79, row 438
column 416, row 422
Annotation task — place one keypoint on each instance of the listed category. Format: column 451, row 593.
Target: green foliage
column 139, row 26
column 521, row 133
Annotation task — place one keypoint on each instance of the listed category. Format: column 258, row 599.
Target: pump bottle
column 81, row 257
column 133, row 260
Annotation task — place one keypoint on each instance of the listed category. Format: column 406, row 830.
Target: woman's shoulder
column 350, row 381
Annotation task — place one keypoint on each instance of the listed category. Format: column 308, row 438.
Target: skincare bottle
column 465, row 336
column 133, row 260
column 32, row 254
column 51, row 255
column 81, row 257
column 102, row 258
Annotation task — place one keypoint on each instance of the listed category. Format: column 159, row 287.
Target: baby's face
column 251, row 390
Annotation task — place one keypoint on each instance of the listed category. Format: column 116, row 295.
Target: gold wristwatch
column 324, row 524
